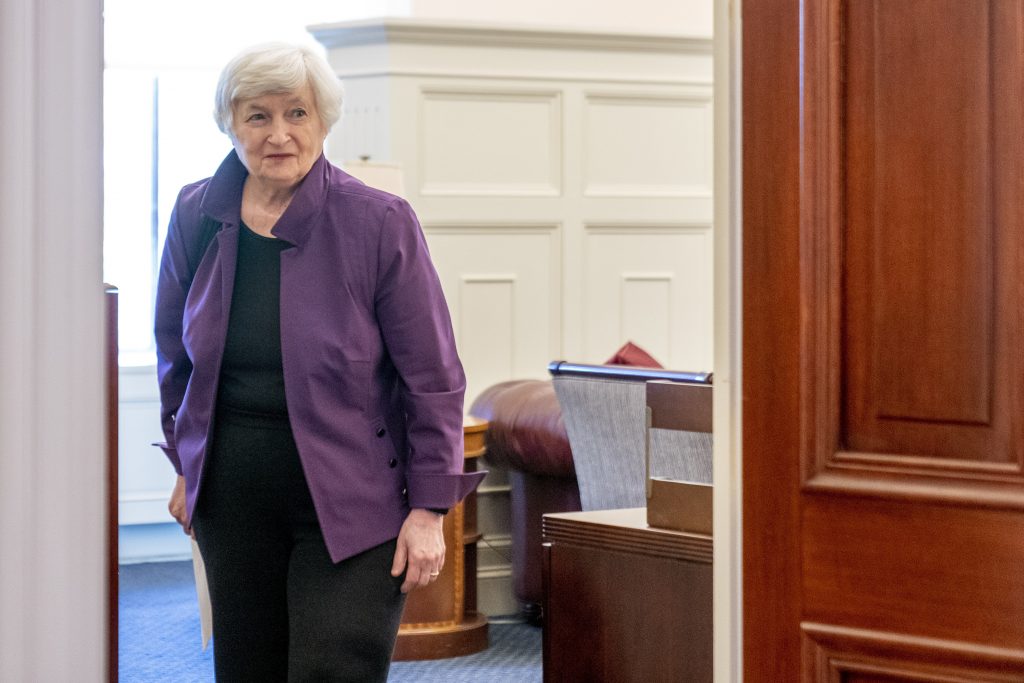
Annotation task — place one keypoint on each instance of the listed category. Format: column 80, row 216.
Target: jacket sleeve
column 417, row 331
column 173, row 364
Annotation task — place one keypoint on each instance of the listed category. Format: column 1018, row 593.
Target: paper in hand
column 203, row 593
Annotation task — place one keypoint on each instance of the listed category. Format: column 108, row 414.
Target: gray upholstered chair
column 604, row 412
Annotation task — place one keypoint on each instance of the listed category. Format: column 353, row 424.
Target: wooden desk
column 441, row 620
column 625, row 602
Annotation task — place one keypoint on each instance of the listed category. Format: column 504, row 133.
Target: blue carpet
column 159, row 638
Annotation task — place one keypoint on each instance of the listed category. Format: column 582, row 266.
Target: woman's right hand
column 177, row 507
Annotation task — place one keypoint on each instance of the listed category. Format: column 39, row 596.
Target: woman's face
column 278, row 136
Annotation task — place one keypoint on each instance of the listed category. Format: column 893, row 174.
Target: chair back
column 604, row 409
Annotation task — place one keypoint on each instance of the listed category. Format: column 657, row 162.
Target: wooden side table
column 441, row 620
column 624, row 601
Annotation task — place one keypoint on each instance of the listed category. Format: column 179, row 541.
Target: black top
column 251, row 374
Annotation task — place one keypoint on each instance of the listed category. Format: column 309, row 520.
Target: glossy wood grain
column 771, row 334
column 625, row 602
column 932, row 163
column 883, row 379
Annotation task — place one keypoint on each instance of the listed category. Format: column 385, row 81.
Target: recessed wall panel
column 647, row 146
column 490, row 143
column 487, row 326
column 646, row 310
column 650, row 285
column 503, row 287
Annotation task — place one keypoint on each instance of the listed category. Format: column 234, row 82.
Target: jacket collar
column 222, row 200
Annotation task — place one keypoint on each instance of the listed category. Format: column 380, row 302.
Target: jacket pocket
column 344, row 381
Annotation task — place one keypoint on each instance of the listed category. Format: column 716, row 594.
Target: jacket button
column 381, row 431
column 393, row 463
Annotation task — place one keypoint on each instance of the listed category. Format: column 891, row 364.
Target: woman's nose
column 279, row 132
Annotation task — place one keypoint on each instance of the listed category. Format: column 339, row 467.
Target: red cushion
column 631, row 354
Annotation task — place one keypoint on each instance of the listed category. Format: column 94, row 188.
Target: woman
column 311, row 392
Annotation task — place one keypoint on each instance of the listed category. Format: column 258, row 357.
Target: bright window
column 162, row 63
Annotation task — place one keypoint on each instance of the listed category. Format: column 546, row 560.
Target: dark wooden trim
column 924, row 487
column 110, row 295
column 830, row 651
column 626, row 531
column 773, row 434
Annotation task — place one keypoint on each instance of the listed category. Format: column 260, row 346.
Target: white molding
column 647, row 228
column 489, row 227
column 694, row 95
column 470, row 73
column 498, row 490
column 647, row 276
column 619, row 191
column 728, row 423
column 552, row 99
column 701, row 93
column 484, row 278
column 488, row 190
column 52, row 407
column 394, row 30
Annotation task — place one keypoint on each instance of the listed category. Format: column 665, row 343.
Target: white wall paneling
column 490, row 142
column 145, row 476
column 650, row 284
column 502, row 283
column 647, row 146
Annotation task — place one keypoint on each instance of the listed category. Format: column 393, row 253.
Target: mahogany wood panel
column 624, row 602
column 931, row 170
column 771, row 334
column 937, row 571
column 883, row 382
column 846, row 654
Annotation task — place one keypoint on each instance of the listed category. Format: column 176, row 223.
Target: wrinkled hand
column 420, row 549
column 176, row 505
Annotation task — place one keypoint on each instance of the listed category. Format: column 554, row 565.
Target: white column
column 52, row 490
column 728, row 426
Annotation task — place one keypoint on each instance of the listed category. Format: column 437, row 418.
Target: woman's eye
column 298, row 113
column 255, row 117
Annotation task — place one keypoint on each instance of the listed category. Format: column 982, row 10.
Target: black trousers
column 282, row 610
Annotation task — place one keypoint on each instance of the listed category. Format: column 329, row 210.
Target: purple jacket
column 372, row 380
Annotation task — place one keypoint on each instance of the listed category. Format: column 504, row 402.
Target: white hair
column 272, row 68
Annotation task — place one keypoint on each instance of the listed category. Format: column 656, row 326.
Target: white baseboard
column 138, row 543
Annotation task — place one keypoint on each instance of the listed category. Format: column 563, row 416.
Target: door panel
column 929, row 186
column 883, row 340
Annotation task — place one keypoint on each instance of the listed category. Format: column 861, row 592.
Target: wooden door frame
column 770, row 78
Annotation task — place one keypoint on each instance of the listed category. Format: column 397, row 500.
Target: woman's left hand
column 420, row 550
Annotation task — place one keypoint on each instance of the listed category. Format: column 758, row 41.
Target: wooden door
column 883, row 349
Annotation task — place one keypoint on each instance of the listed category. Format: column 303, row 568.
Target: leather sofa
column 527, row 437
